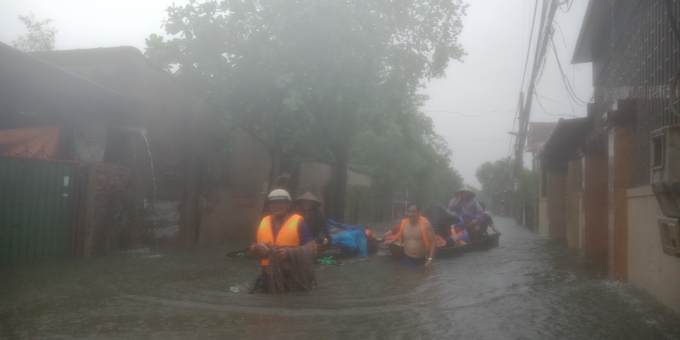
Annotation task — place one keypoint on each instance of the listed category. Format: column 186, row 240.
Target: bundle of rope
column 294, row 274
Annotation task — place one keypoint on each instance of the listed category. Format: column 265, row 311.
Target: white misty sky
column 495, row 37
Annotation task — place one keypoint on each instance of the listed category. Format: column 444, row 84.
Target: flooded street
column 527, row 288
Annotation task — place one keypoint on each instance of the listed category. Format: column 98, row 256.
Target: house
column 626, row 216
column 559, row 167
column 533, row 215
column 154, row 164
column 537, row 136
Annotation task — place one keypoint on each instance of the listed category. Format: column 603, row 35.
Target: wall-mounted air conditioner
column 669, row 228
column 665, row 169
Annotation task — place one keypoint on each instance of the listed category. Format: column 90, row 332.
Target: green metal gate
column 36, row 208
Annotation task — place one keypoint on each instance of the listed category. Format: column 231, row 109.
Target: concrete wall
column 648, row 267
column 316, row 176
column 557, row 205
column 581, row 223
column 543, row 216
column 232, row 192
column 622, row 150
column 595, row 198
column 573, row 204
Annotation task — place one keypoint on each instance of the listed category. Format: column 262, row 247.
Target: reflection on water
column 526, row 289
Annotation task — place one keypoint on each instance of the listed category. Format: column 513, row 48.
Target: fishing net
column 294, row 274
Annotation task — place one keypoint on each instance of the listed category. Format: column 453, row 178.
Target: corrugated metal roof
column 564, row 141
column 30, row 82
column 602, row 27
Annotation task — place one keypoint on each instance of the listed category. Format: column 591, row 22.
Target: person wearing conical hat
column 309, row 207
column 467, row 209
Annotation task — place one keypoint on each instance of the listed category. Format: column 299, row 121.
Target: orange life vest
column 288, row 234
column 459, row 233
column 422, row 228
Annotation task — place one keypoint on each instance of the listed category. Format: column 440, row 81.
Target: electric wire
column 531, row 35
column 565, row 79
column 466, row 115
column 546, row 111
column 555, row 101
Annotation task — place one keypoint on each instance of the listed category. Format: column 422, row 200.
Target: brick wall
column 108, row 208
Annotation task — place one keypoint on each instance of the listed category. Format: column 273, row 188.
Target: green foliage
column 321, row 72
column 403, row 152
column 495, row 177
column 40, row 36
column 527, row 192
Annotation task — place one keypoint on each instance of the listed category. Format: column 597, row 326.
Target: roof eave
column 582, row 52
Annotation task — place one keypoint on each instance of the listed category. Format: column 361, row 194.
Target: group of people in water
column 301, row 224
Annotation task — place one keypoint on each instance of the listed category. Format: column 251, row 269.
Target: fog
column 473, row 107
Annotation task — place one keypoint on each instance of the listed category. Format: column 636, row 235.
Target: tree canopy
column 314, row 71
column 40, row 36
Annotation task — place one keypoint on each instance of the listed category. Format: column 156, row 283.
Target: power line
column 565, row 79
column 531, row 36
column 554, row 101
column 526, row 66
column 546, row 111
column 545, row 33
column 465, row 115
column 564, row 41
column 568, row 3
column 480, row 139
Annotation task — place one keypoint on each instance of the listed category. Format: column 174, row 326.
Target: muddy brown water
column 528, row 288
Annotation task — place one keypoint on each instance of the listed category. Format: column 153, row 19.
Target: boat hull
column 449, row 252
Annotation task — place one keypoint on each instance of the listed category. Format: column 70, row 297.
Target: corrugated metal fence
column 36, row 208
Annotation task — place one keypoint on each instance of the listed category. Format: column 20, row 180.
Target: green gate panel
column 36, row 208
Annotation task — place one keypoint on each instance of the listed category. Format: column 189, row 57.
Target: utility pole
column 544, row 35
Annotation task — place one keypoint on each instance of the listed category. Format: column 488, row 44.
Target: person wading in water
column 417, row 237
column 276, row 234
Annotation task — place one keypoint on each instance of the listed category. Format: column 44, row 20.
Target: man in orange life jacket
column 417, row 237
column 279, row 230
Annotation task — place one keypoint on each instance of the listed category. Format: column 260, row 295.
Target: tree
column 496, row 180
column 40, row 37
column 404, row 153
column 294, row 71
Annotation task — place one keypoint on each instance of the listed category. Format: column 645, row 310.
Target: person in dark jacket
column 442, row 222
column 309, row 207
column 487, row 222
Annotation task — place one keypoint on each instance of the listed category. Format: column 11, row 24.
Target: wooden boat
column 487, row 243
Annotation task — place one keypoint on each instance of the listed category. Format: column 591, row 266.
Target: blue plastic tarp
column 351, row 237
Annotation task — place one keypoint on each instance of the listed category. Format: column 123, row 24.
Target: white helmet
column 279, row 195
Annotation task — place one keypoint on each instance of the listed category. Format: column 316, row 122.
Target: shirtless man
column 417, row 237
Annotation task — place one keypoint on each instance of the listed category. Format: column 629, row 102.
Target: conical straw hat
column 309, row 197
column 465, row 189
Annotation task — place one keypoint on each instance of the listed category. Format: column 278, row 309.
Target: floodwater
column 528, row 288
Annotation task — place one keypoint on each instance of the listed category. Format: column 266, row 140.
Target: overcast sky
column 495, row 37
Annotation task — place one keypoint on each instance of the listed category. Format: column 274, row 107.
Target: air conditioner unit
column 665, row 169
column 669, row 228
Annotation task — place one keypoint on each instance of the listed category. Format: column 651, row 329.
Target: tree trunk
column 388, row 202
column 339, row 187
column 275, row 157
